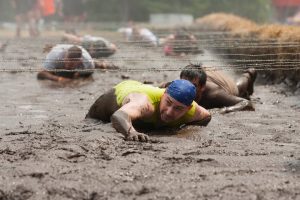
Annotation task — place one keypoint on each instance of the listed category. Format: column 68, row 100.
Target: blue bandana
column 183, row 91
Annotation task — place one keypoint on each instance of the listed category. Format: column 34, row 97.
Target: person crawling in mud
column 216, row 90
column 180, row 44
column 98, row 47
column 131, row 104
column 65, row 62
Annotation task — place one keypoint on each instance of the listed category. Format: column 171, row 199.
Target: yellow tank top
column 154, row 95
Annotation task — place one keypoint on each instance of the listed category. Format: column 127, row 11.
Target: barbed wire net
column 237, row 54
column 27, row 101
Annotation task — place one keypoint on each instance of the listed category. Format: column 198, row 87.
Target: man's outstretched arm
column 134, row 106
column 244, row 104
column 232, row 103
column 45, row 75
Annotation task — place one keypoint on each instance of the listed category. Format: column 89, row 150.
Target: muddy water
column 47, row 150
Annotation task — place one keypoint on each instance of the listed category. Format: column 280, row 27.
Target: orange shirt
column 48, row 7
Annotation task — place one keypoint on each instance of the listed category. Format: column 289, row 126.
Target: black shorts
column 104, row 107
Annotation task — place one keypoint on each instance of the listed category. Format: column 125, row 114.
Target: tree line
column 140, row 10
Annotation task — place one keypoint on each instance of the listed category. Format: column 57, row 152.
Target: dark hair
column 182, row 34
column 74, row 52
column 97, row 49
column 193, row 71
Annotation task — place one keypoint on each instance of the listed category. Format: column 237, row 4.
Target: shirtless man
column 180, row 44
column 62, row 62
column 98, row 47
column 216, row 90
column 131, row 103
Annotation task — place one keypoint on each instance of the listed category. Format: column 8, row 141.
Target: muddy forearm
column 47, row 75
column 202, row 122
column 122, row 122
column 242, row 105
column 102, row 64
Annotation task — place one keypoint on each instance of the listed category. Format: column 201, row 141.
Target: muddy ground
column 48, row 150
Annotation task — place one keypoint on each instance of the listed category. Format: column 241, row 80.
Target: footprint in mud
column 296, row 106
column 139, row 192
column 279, row 137
column 190, row 159
column 234, row 190
column 38, row 175
column 90, row 125
column 145, row 190
column 20, row 192
column 64, row 192
column 14, row 156
column 294, row 166
column 71, row 153
column 197, row 134
column 72, row 157
column 130, row 151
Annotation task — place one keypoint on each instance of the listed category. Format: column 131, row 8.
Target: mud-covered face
column 71, row 63
column 170, row 109
column 199, row 88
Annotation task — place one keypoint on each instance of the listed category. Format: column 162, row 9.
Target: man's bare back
column 219, row 90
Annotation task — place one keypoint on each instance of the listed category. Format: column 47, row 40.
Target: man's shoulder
column 57, row 51
column 63, row 46
column 211, row 87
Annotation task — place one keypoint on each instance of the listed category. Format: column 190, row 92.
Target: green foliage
column 140, row 10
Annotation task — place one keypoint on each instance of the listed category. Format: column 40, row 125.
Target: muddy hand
column 223, row 110
column 136, row 136
column 64, row 81
column 215, row 111
column 219, row 110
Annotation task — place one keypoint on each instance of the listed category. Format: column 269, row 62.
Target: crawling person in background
column 131, row 104
column 98, row 47
column 138, row 35
column 180, row 44
column 66, row 62
column 143, row 36
column 216, row 90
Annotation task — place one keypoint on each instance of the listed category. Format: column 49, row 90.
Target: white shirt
column 55, row 57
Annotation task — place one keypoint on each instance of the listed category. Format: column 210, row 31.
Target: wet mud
column 48, row 150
